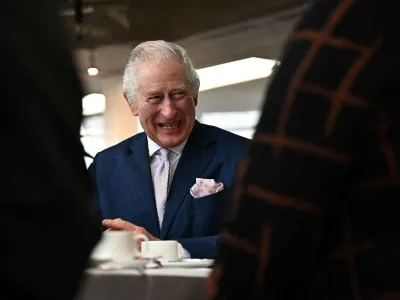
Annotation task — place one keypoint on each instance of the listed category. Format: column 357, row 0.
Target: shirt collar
column 153, row 147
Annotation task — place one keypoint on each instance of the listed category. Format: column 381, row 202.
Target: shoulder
column 217, row 132
column 225, row 139
column 122, row 148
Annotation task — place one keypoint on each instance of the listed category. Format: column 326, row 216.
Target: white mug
column 118, row 246
column 166, row 250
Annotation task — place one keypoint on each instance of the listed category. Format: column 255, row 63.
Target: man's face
column 165, row 102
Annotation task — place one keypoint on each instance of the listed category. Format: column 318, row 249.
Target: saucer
column 186, row 263
column 134, row 264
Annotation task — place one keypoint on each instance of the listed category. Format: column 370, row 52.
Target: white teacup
column 118, row 246
column 166, row 250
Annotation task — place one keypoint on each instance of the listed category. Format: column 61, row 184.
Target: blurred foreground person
column 315, row 211
column 47, row 229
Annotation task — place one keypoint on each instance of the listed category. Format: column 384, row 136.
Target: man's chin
column 171, row 141
column 171, row 144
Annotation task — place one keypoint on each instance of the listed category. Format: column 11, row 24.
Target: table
column 151, row 284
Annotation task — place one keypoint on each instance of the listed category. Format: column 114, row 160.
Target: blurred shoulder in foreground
column 315, row 212
column 48, row 229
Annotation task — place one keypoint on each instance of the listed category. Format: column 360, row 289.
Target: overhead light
column 93, row 104
column 93, row 71
column 235, row 72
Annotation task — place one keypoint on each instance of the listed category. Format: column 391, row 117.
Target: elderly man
column 169, row 182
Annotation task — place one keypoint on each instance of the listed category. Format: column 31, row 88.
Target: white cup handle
column 181, row 252
column 137, row 237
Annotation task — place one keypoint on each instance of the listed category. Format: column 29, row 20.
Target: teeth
column 170, row 125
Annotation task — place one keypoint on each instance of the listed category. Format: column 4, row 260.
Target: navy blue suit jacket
column 123, row 187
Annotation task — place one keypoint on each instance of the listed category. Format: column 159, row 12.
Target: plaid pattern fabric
column 314, row 214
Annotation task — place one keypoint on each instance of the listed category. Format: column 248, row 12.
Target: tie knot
column 164, row 153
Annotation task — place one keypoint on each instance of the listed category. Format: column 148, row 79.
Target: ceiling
column 110, row 22
column 258, row 37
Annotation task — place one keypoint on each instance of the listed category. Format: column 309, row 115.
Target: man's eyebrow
column 183, row 88
column 152, row 91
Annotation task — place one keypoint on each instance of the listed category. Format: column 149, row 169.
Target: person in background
column 48, row 226
column 169, row 182
column 314, row 213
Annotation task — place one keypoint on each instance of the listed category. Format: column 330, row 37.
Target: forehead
column 160, row 74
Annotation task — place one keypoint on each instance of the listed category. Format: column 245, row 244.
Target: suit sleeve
column 295, row 176
column 48, row 226
column 202, row 247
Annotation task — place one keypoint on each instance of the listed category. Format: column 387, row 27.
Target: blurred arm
column 48, row 228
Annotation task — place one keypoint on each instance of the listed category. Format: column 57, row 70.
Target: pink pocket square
column 204, row 187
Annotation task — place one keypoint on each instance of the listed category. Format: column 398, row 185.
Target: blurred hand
column 119, row 224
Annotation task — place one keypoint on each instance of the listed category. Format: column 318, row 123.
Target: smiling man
column 169, row 182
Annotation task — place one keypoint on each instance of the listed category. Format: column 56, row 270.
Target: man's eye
column 154, row 98
column 178, row 95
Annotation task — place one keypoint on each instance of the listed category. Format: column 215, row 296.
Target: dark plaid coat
column 315, row 213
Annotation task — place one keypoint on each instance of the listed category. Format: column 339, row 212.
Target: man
column 315, row 210
column 144, row 183
column 47, row 229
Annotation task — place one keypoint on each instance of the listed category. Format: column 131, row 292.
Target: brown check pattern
column 314, row 214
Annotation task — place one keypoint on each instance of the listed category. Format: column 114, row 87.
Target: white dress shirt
column 175, row 155
column 173, row 158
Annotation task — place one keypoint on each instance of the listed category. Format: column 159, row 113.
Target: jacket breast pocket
column 207, row 214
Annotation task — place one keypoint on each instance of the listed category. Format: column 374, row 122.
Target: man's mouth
column 170, row 125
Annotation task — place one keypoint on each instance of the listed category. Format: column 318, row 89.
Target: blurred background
column 240, row 39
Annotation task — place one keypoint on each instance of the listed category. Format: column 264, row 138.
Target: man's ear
column 195, row 100
column 132, row 108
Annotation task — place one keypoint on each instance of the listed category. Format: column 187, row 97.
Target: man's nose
column 168, row 108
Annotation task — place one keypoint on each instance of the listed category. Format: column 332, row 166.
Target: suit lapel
column 196, row 156
column 138, row 163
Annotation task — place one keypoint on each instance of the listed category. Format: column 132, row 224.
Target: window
column 92, row 129
column 93, row 136
column 240, row 123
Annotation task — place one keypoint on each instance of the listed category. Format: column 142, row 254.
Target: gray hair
column 156, row 50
